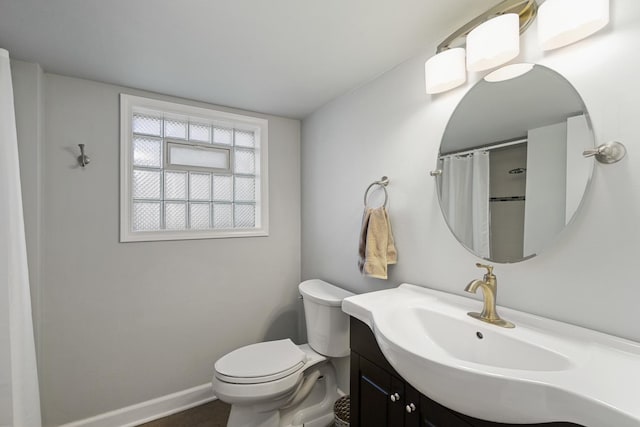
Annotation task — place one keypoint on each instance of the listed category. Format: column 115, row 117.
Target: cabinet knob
column 410, row 408
column 395, row 397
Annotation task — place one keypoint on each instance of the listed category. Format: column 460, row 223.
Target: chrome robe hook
column 83, row 159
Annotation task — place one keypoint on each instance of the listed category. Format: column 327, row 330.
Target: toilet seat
column 234, row 392
column 260, row 363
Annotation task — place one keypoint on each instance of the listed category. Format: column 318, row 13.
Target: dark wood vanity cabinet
column 380, row 397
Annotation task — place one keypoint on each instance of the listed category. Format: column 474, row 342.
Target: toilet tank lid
column 322, row 292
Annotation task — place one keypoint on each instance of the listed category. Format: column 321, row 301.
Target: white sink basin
column 540, row 371
column 461, row 337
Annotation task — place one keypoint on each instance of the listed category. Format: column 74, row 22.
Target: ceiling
column 283, row 57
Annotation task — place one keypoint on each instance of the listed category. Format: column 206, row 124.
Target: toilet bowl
column 281, row 384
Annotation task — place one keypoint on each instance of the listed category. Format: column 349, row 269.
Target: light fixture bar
column 526, row 10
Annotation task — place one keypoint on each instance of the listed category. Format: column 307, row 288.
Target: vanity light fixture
column 493, row 43
column 491, row 38
column 562, row 22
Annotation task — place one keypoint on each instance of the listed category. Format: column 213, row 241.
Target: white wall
column 589, row 276
column 122, row 323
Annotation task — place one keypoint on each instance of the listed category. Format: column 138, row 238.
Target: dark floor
column 212, row 414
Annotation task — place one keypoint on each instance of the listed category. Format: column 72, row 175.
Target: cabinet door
column 435, row 415
column 374, row 395
column 380, row 397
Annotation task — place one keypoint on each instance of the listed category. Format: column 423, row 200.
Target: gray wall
column 122, row 323
column 589, row 275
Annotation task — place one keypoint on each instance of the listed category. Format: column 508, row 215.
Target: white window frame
column 130, row 104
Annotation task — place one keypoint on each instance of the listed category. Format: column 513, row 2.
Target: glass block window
column 190, row 173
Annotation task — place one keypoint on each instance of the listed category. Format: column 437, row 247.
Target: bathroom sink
column 461, row 337
column 540, row 371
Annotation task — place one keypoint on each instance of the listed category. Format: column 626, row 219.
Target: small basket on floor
column 341, row 411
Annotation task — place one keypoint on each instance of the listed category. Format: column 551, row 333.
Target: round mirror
column 512, row 174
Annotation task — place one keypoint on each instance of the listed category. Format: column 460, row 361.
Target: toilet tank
column 327, row 324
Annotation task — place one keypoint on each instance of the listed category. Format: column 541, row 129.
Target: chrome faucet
column 489, row 286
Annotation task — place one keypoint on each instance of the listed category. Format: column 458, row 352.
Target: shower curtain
column 465, row 199
column 19, row 394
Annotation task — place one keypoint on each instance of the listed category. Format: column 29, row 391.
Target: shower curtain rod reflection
column 485, row 148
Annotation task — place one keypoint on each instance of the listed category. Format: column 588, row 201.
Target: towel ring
column 384, row 181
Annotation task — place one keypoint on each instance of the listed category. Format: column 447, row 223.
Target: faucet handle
column 488, row 267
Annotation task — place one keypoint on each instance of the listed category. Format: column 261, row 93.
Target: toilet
column 281, row 384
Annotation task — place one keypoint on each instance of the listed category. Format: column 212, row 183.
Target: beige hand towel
column 377, row 248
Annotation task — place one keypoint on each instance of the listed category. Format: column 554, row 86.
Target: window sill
column 153, row 236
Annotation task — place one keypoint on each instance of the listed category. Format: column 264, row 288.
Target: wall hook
column 83, row 159
column 608, row 153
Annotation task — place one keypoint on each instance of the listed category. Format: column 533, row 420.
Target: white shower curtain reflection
column 465, row 199
column 19, row 394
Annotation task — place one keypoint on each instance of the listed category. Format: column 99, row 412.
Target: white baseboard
column 150, row 410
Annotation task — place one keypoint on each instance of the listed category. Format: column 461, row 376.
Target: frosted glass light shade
column 494, row 42
column 562, row 22
column 445, row 70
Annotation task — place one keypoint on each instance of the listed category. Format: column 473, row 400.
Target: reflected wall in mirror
column 513, row 174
